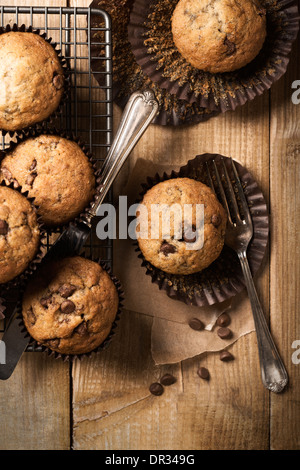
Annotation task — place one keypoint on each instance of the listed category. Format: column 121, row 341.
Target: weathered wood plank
column 285, row 266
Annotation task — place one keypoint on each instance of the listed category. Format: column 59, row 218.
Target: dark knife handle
column 14, row 343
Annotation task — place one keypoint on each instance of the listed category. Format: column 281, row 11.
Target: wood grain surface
column 103, row 402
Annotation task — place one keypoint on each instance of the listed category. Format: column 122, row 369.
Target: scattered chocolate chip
column 156, row 389
column 231, row 48
column 223, row 320
column 81, row 329
column 58, row 81
column 66, row 290
column 166, row 248
column 33, row 165
column 46, row 301
column 67, row 306
column 216, row 220
column 203, row 373
column 196, row 324
column 224, row 333
column 30, row 178
column 226, row 356
column 189, row 235
column 3, row 227
column 167, row 379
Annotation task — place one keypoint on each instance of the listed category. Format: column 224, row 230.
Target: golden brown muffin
column 70, row 305
column 31, row 80
column 56, row 172
column 219, row 36
column 172, row 254
column 19, row 233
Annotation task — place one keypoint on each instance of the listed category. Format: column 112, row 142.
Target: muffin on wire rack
column 32, row 78
column 71, row 306
column 55, row 169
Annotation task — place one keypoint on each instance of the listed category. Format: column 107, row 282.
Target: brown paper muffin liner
column 51, row 118
column 35, row 345
column 2, row 308
column 150, row 35
column 19, row 281
column 45, row 130
column 128, row 76
column 223, row 279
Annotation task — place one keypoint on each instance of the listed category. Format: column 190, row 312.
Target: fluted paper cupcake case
column 103, row 346
column 35, row 132
column 150, row 35
column 51, row 118
column 19, row 281
column 223, row 279
column 127, row 74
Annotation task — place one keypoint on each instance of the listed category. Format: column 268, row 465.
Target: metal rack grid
column 88, row 112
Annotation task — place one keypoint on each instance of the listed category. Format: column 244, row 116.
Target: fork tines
column 231, row 193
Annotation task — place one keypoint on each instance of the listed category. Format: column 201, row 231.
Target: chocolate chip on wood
column 167, row 379
column 156, row 389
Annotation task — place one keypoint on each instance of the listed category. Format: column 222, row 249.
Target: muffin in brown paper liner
column 57, row 112
column 19, row 281
column 128, row 76
column 223, row 279
column 35, row 345
column 35, row 132
column 150, row 35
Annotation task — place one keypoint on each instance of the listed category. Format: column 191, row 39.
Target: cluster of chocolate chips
column 223, row 332
column 157, row 388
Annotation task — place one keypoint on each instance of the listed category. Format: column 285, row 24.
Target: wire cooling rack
column 88, row 112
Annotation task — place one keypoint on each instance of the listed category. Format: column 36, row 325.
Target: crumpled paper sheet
column 172, row 339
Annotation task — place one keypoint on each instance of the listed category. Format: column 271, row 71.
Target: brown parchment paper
column 172, row 340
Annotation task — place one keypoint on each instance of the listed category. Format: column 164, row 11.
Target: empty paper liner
column 151, row 39
column 223, row 279
column 128, row 75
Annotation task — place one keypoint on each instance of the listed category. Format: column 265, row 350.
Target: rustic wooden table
column 103, row 402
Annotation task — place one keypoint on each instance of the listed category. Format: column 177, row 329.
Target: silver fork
column 238, row 235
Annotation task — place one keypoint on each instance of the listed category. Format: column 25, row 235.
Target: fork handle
column 273, row 372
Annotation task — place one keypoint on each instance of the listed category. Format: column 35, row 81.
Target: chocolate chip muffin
column 56, row 172
column 19, row 233
column 31, row 80
column 219, row 36
column 177, row 247
column 70, row 305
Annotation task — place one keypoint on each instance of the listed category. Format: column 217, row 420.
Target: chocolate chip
column 33, row 165
column 30, row 178
column 226, row 356
column 166, row 248
column 67, row 306
column 66, row 290
column 3, row 227
column 203, row 373
column 81, row 329
column 58, row 81
column 216, row 220
column 196, row 324
column 224, row 333
column 231, row 48
column 223, row 320
column 167, row 379
column 189, row 235
column 156, row 389
column 46, row 301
